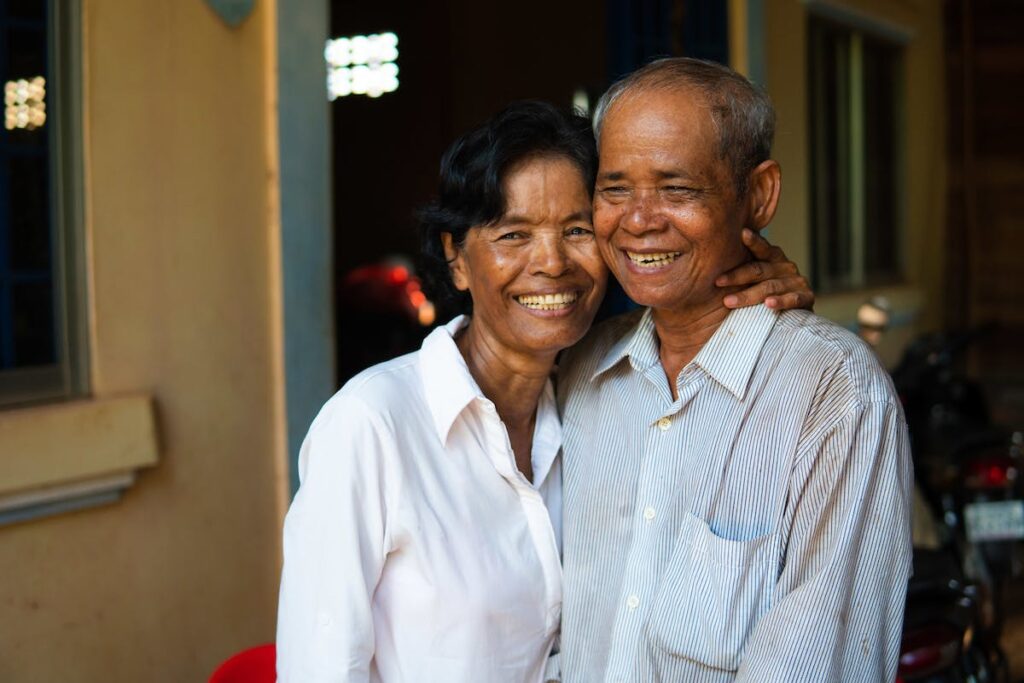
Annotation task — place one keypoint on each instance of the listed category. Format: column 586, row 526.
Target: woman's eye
column 579, row 230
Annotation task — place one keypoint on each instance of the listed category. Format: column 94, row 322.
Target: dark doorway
column 460, row 62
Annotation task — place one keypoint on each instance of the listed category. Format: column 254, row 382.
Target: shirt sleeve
column 335, row 543
column 837, row 608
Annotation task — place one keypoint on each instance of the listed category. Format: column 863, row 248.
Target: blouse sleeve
column 336, row 539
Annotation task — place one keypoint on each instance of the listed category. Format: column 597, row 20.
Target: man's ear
column 456, row 262
column 763, row 188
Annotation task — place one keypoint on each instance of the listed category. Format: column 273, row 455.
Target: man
column 737, row 482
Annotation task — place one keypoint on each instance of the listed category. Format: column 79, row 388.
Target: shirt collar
column 640, row 346
column 447, row 384
column 449, row 388
column 728, row 357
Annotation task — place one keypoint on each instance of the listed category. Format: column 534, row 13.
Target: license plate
column 998, row 521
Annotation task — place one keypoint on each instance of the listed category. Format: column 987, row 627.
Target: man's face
column 665, row 208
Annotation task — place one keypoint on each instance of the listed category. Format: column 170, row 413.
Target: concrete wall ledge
column 67, row 456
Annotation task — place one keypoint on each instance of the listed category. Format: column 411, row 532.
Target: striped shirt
column 756, row 528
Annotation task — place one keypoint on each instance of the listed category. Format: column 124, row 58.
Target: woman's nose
column 549, row 257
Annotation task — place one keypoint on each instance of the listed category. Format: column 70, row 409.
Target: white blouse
column 415, row 550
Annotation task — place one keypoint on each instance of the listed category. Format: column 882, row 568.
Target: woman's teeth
column 547, row 302
column 652, row 260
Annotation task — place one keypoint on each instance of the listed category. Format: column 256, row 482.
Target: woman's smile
column 549, row 303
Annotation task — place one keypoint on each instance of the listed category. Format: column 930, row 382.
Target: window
column 855, row 98
column 40, row 325
column 362, row 65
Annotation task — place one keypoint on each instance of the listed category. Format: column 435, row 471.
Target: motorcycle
column 941, row 640
column 968, row 471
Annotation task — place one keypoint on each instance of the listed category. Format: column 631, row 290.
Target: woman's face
column 536, row 277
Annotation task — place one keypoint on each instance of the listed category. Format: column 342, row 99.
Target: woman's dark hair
column 473, row 171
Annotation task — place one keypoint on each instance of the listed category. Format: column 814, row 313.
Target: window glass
column 881, row 149
column 855, row 127
column 26, row 249
column 38, row 224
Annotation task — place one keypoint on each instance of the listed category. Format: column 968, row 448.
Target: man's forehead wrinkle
column 640, row 127
column 656, row 162
column 645, row 140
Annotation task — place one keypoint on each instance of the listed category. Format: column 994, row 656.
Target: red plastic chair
column 255, row 665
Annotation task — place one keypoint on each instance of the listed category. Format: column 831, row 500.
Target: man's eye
column 510, row 236
column 678, row 190
column 614, row 189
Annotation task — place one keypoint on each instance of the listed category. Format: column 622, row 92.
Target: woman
column 419, row 546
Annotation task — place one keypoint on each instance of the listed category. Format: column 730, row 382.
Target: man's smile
column 652, row 261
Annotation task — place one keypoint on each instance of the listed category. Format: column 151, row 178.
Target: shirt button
column 324, row 619
column 664, row 424
column 632, row 602
column 649, row 513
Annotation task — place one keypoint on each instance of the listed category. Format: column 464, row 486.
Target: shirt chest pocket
column 711, row 597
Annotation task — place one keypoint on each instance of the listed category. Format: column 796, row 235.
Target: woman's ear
column 456, row 262
column 763, row 188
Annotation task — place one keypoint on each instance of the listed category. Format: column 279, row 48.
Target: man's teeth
column 652, row 260
column 547, row 302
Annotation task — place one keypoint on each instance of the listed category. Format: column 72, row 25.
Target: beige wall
column 786, row 65
column 181, row 225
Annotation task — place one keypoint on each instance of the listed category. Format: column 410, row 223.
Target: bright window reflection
column 362, row 65
column 24, row 103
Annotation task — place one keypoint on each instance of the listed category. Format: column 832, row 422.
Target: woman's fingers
column 756, row 271
column 771, row 278
column 762, row 249
column 769, row 262
column 792, row 300
column 779, row 293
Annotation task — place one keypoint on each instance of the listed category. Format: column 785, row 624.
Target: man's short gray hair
column 740, row 110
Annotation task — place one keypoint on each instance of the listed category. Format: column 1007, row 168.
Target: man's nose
column 642, row 214
column 549, row 257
